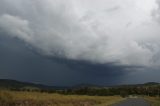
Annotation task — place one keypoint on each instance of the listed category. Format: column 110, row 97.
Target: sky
column 71, row 42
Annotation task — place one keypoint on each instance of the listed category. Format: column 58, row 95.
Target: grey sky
column 119, row 37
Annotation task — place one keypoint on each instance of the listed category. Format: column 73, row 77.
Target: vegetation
column 124, row 91
column 148, row 89
column 23, row 98
column 14, row 93
column 155, row 101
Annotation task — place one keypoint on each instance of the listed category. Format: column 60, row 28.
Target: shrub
column 124, row 94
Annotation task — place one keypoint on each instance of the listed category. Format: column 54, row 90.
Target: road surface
column 133, row 102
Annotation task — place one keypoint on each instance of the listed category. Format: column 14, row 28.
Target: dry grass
column 155, row 101
column 13, row 98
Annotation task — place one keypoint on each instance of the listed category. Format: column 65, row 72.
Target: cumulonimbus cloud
column 125, row 32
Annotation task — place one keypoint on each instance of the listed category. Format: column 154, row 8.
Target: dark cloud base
column 21, row 63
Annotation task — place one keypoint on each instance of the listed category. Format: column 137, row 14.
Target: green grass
column 14, row 98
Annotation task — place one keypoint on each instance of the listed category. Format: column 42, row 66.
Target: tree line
column 100, row 91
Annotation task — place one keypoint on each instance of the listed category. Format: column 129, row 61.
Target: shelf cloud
column 123, row 32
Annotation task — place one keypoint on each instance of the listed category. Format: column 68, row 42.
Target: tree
column 123, row 94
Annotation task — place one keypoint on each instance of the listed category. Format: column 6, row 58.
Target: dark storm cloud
column 69, row 42
column 58, row 28
column 21, row 63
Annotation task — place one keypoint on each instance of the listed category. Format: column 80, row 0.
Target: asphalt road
column 133, row 102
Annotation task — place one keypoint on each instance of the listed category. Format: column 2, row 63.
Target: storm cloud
column 121, row 32
column 103, row 41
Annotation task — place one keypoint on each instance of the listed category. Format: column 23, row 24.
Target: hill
column 150, row 88
column 13, row 84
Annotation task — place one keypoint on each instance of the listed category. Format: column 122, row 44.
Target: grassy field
column 155, row 101
column 14, row 98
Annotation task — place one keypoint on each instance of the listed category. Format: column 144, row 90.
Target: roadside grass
column 19, row 98
column 155, row 101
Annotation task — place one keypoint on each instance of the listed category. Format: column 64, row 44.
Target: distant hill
column 86, row 85
column 152, row 83
column 149, row 88
column 136, row 85
column 13, row 84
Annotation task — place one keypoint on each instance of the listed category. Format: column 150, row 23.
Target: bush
column 124, row 94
